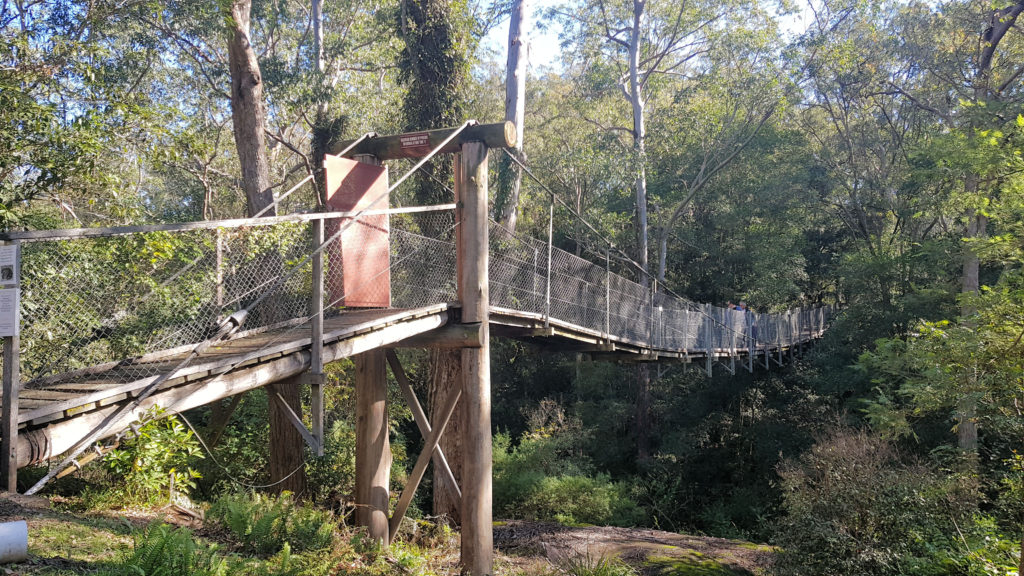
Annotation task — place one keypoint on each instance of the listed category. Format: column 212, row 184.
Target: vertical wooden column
column 9, row 440
column 373, row 446
column 11, row 390
column 316, row 358
column 471, row 201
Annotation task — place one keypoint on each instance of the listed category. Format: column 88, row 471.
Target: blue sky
column 544, row 49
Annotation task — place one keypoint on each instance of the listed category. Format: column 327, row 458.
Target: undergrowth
column 163, row 550
column 268, row 525
column 587, row 565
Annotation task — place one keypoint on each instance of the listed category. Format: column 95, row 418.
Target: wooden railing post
column 10, row 319
column 607, row 292
column 316, row 362
column 547, row 283
column 477, row 528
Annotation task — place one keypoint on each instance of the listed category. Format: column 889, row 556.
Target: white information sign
column 9, row 264
column 9, row 325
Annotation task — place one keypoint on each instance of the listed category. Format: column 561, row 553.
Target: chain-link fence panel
column 111, row 307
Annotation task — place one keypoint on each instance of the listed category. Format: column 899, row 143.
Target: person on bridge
column 751, row 320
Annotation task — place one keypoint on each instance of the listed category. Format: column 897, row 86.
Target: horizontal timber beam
column 419, row 144
column 450, row 336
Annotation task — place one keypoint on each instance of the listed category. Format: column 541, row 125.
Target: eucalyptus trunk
column 515, row 104
column 446, row 376
column 248, row 115
column 642, row 418
column 1001, row 21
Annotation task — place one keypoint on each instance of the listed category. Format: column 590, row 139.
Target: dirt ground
column 652, row 552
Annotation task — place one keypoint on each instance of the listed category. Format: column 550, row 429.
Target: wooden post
column 316, row 363
column 709, row 340
column 373, row 447
column 607, row 292
column 477, row 530
column 9, row 441
column 547, row 284
column 11, row 390
column 220, row 268
column 373, row 450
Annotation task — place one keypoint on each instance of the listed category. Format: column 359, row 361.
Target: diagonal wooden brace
column 422, row 461
column 421, row 421
column 294, row 419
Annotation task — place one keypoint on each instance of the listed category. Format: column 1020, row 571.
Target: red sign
column 358, row 273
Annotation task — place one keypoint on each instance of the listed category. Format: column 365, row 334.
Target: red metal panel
column 358, row 273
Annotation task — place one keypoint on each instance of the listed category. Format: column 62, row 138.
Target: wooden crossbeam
column 421, row 462
column 293, row 418
column 449, row 336
column 440, row 461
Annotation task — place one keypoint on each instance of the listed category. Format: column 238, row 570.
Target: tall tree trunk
column 445, row 376
column 317, row 16
column 249, row 120
column 1000, row 22
column 642, row 429
column 636, row 102
column 967, row 427
column 247, row 112
column 286, row 457
column 515, row 105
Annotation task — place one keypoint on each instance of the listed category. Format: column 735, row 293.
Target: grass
column 692, row 563
column 60, row 546
column 63, row 543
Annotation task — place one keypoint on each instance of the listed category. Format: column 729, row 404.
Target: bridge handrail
column 109, row 231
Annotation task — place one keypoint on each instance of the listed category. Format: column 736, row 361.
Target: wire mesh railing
column 528, row 277
column 123, row 302
column 111, row 307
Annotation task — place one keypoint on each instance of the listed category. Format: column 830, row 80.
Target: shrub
column 161, row 453
column 581, row 500
column 854, row 507
column 546, row 478
column 334, row 474
column 163, row 550
column 265, row 524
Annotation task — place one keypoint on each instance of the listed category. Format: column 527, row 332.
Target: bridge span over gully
column 114, row 321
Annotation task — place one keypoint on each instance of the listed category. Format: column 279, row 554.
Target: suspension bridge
column 109, row 322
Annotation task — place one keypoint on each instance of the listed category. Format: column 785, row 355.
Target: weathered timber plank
column 83, row 386
column 64, row 434
column 47, row 395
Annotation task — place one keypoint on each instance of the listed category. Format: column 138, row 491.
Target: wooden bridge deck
column 55, row 412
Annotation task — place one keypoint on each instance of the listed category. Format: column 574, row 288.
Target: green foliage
column 573, row 500
column 546, row 478
column 333, row 474
column 162, row 550
column 266, row 525
column 241, row 453
column 159, row 456
column 854, row 506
